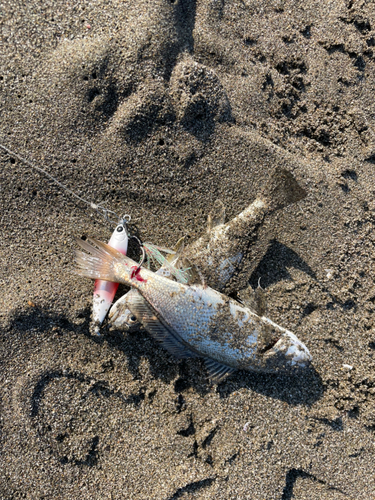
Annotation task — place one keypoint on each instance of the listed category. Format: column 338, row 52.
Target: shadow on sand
column 302, row 387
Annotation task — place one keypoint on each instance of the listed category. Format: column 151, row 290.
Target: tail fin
column 282, row 190
column 103, row 262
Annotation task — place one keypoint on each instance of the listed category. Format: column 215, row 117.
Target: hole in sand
column 92, row 93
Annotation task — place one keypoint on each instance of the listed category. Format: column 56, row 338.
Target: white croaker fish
column 105, row 291
column 194, row 320
column 219, row 255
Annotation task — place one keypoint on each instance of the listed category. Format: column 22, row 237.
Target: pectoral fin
column 157, row 328
column 254, row 300
column 217, row 215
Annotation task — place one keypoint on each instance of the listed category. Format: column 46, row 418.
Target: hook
column 143, row 253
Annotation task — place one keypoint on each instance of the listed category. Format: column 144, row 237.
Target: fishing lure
column 105, row 291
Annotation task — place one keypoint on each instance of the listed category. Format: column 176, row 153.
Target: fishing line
column 104, row 212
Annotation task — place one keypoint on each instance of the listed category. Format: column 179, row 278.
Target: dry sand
column 159, row 107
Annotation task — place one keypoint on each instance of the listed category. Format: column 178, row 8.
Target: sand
column 157, row 108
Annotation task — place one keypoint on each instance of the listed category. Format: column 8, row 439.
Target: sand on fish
column 158, row 108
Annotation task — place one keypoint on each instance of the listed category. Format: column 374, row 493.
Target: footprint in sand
column 87, row 426
column 74, row 429
column 142, row 78
column 80, row 418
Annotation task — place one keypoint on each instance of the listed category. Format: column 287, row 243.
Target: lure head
column 120, row 236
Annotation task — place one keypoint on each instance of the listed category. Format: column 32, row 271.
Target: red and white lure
column 104, row 291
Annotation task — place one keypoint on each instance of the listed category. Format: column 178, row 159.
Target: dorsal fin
column 157, row 328
column 254, row 300
column 217, row 215
column 178, row 249
column 217, row 371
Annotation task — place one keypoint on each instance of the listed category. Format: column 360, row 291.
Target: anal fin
column 156, row 327
column 217, row 371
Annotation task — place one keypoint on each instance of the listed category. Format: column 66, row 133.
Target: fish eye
column 119, row 229
column 132, row 319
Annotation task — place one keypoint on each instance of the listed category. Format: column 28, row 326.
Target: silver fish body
column 217, row 327
column 196, row 321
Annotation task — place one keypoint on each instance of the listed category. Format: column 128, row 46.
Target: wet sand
column 158, row 108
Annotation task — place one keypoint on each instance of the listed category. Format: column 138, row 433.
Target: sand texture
column 157, row 108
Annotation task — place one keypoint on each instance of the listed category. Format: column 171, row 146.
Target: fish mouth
column 287, row 352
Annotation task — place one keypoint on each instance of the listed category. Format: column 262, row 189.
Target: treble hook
column 143, row 253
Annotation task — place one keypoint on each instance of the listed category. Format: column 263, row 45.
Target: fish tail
column 282, row 189
column 103, row 262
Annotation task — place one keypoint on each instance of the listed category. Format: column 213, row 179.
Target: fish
column 219, row 255
column 194, row 320
column 105, row 291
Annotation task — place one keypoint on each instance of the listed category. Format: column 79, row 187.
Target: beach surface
column 158, row 108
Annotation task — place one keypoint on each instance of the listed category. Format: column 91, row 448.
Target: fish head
column 288, row 353
column 279, row 349
column 121, row 318
column 125, row 321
